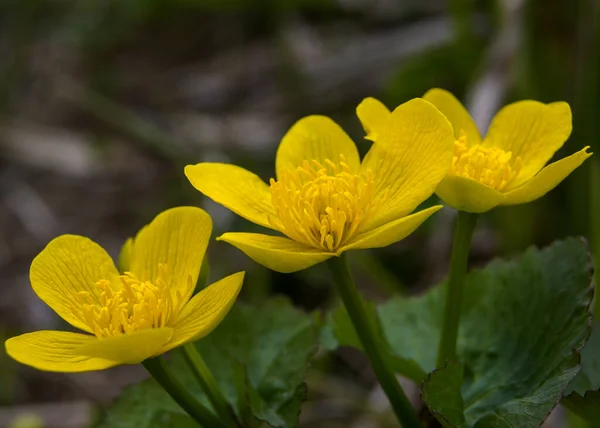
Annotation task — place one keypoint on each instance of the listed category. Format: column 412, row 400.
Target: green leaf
column 583, row 397
column 258, row 355
column 344, row 331
column 588, row 378
column 586, row 407
column 339, row 331
column 443, row 394
column 522, row 324
column 240, row 380
column 134, row 408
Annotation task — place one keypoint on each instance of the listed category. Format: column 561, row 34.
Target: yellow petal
column 237, row 189
column 315, row 138
column 373, row 115
column 61, row 351
column 130, row 348
column 530, row 130
column 456, row 113
column 410, row 158
column 275, row 252
column 55, row 351
column 547, row 179
column 391, row 232
column 468, row 195
column 178, row 238
column 125, row 256
column 206, row 310
column 70, row 264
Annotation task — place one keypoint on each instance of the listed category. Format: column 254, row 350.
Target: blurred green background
column 102, row 103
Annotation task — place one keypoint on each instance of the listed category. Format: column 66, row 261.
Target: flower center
column 136, row 305
column 491, row 166
column 322, row 206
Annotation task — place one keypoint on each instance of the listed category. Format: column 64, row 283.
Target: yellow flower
column 324, row 200
column 131, row 317
column 505, row 168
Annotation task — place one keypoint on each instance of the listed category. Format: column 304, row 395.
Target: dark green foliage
column 523, row 323
column 583, row 394
column 258, row 355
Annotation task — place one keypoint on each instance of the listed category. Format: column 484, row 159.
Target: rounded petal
column 373, row 116
column 456, row 113
column 409, row 160
column 547, row 179
column 275, row 252
column 532, row 130
column 62, row 351
column 178, row 238
column 206, row 310
column 130, row 348
column 315, row 138
column 237, row 189
column 391, row 232
column 468, row 195
column 125, row 256
column 70, row 264
column 55, row 351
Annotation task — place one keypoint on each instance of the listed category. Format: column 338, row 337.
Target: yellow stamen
column 322, row 206
column 135, row 305
column 491, row 166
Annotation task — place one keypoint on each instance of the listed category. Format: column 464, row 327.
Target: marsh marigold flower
column 323, row 199
column 507, row 167
column 127, row 317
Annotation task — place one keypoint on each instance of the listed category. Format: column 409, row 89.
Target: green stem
column 465, row 225
column 595, row 227
column 209, row 384
column 159, row 371
column 371, row 342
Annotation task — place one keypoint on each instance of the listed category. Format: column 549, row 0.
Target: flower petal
column 70, row 264
column 275, row 252
column 373, row 115
column 206, row 310
column 391, row 232
column 545, row 180
column 130, row 348
column 532, row 130
column 315, row 138
column 468, row 195
column 237, row 189
column 178, row 238
column 410, row 158
column 55, row 351
column 125, row 256
column 456, row 113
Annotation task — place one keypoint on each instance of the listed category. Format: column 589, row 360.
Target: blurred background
column 103, row 102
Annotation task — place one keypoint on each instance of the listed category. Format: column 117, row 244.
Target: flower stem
column 371, row 342
column 159, row 371
column 208, row 384
column 463, row 232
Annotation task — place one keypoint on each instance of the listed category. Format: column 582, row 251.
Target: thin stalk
column 208, row 384
column 463, row 232
column 159, row 371
column 371, row 342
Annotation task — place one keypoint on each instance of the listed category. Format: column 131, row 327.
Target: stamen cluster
column 129, row 306
column 320, row 205
column 491, row 166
